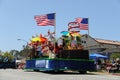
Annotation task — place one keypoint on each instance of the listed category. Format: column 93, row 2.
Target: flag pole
column 88, row 37
column 55, row 32
column 55, row 26
column 50, row 54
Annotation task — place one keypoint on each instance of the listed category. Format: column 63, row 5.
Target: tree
column 0, row 52
column 15, row 53
column 25, row 52
column 115, row 55
column 9, row 56
column 1, row 58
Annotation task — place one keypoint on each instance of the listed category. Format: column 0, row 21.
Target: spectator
column 98, row 64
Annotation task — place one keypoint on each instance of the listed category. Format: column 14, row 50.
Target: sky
column 17, row 19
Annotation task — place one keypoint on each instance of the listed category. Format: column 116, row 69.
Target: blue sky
column 17, row 19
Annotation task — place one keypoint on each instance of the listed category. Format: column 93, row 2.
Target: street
column 16, row 74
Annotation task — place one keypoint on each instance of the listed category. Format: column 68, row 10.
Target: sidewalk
column 105, row 73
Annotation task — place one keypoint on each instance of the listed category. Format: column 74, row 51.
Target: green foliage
column 115, row 55
column 9, row 56
column 24, row 52
column 15, row 53
column 1, row 58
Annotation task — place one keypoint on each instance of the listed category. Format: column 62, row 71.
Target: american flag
column 45, row 20
column 83, row 23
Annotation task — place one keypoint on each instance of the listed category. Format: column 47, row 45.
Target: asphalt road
column 16, row 74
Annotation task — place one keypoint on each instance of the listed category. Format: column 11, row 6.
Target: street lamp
column 25, row 47
column 23, row 40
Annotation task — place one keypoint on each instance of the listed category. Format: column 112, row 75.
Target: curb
column 117, row 74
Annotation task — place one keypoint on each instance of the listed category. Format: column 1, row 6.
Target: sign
column 73, row 27
column 40, row 64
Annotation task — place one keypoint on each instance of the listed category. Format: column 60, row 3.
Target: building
column 96, row 45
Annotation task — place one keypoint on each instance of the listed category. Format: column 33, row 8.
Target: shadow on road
column 64, row 73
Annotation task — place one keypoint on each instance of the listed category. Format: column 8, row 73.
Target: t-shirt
column 39, row 48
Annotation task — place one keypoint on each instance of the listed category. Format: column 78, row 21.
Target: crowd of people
column 111, row 66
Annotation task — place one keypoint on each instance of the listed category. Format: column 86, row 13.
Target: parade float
column 64, row 53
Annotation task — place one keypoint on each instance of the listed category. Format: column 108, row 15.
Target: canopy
column 66, row 33
column 40, row 39
column 95, row 55
column 35, row 39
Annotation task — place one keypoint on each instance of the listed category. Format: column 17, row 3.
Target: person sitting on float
column 39, row 50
